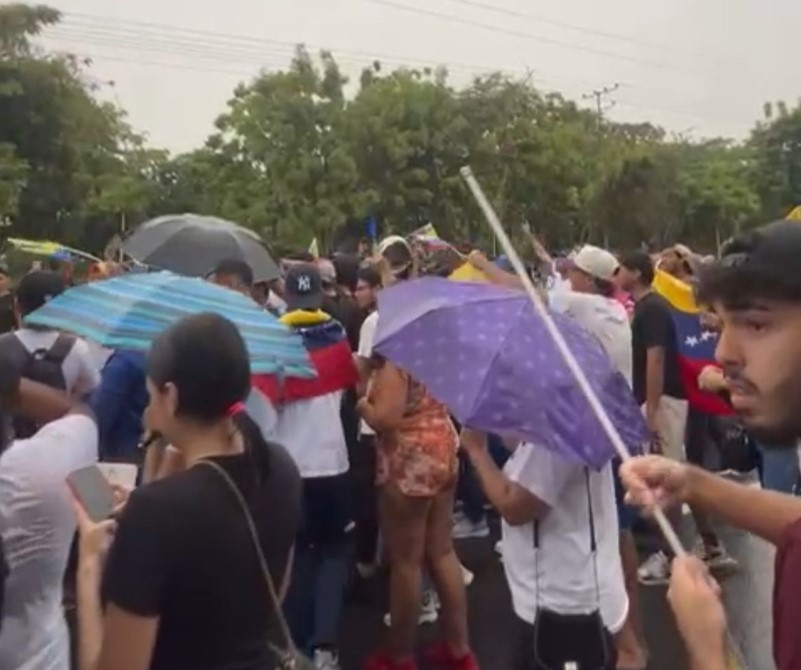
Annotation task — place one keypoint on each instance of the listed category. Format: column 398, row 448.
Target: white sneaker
column 324, row 659
column 464, row 528
column 655, row 570
column 467, row 576
column 429, row 609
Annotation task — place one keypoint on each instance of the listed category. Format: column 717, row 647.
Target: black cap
column 234, row 267
column 303, row 287
column 775, row 246
column 36, row 288
column 760, row 264
column 639, row 261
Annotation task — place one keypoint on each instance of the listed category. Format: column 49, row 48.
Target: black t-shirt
column 652, row 326
column 183, row 552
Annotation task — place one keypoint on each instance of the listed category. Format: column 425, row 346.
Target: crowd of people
column 256, row 508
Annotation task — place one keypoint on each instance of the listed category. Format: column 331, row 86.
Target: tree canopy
column 294, row 157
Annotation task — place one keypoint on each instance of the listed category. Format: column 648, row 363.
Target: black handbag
column 572, row 641
column 738, row 451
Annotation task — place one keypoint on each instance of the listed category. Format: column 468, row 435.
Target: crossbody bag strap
column 289, row 642
column 593, row 542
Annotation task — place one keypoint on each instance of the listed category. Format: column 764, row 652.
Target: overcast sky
column 698, row 67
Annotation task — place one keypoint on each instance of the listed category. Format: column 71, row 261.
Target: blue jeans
column 321, row 569
column 313, row 606
column 779, row 471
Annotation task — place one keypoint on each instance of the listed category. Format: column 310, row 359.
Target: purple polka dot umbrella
column 485, row 353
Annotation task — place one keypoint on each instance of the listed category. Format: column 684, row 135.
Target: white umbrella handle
column 603, row 418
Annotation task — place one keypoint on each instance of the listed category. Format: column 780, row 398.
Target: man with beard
column 756, row 291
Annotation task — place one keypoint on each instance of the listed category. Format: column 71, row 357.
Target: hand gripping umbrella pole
column 735, row 659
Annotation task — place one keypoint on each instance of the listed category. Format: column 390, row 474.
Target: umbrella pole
column 506, row 244
column 735, row 658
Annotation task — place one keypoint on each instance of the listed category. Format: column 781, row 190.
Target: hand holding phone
column 93, row 491
column 120, row 474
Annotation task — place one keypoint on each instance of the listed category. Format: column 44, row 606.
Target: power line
column 524, row 35
column 237, row 50
column 173, row 34
column 570, row 26
column 111, row 28
column 95, row 57
column 217, row 53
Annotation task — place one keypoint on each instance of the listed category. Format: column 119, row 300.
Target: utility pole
column 598, row 95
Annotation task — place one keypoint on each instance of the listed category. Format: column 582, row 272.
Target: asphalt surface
column 747, row 595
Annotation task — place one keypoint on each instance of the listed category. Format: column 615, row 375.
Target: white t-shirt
column 564, row 569
column 80, row 369
column 366, row 340
column 311, row 431
column 37, row 524
column 99, row 355
column 605, row 318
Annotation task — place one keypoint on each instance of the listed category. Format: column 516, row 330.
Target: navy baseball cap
column 303, row 287
column 761, row 264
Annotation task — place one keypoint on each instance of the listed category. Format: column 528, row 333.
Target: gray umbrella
column 193, row 245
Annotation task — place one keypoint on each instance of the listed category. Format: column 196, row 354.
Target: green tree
column 71, row 154
column 13, row 175
column 408, row 138
column 282, row 130
column 720, row 199
column 18, row 23
column 776, row 167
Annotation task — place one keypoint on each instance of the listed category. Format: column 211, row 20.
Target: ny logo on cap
column 304, row 284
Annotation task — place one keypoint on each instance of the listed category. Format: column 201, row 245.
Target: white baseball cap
column 390, row 240
column 596, row 262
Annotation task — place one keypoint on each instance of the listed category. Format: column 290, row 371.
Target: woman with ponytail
column 177, row 581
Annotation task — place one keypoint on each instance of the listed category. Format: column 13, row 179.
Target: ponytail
column 255, row 444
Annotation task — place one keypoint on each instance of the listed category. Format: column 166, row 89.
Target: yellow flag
column 314, row 248
column 794, row 215
column 678, row 293
column 427, row 232
column 467, row 272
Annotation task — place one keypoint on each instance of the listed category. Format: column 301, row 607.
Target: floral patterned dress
column 419, row 456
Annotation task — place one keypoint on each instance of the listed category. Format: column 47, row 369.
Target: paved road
column 747, row 596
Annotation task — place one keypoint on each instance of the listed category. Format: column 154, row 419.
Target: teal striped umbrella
column 127, row 312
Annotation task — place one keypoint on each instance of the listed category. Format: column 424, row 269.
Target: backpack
column 42, row 365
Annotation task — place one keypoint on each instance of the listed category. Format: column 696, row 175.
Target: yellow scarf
column 301, row 317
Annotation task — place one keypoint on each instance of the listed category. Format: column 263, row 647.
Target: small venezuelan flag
column 327, row 343
column 426, row 232
column 696, row 344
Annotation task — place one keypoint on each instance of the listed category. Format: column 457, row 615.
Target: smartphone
column 120, row 474
column 90, row 486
